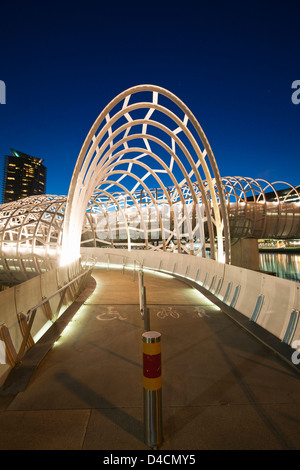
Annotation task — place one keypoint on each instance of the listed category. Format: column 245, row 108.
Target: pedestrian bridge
column 113, row 219
column 79, row 385
column 145, row 178
column 264, row 302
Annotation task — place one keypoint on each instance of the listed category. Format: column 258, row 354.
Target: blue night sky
column 232, row 63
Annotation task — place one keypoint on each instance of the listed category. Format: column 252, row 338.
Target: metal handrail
column 55, row 293
column 32, row 311
column 135, row 261
column 137, row 265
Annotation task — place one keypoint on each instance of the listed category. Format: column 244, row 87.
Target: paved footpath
column 222, row 388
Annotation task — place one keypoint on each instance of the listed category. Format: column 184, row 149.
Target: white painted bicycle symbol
column 167, row 312
column 200, row 313
column 110, row 314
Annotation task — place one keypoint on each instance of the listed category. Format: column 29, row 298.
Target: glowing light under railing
column 70, row 328
column 159, row 273
column 202, row 297
column 215, row 307
column 42, row 331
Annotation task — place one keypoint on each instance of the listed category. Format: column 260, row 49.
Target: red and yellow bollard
column 152, row 386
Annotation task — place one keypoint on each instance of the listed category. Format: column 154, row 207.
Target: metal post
column 152, row 389
column 146, row 313
column 134, row 270
column 141, row 292
column 26, row 336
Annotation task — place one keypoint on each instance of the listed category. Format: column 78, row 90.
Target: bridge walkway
column 222, row 389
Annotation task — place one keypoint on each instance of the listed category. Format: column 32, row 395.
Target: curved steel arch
column 96, row 163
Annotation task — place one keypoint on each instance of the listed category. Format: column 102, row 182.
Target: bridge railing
column 30, row 308
column 30, row 316
column 273, row 303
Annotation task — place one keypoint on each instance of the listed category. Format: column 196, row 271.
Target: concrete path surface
column 222, row 389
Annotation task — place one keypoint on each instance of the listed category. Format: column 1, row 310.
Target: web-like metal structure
column 145, row 178
column 146, row 151
column 30, row 236
column 260, row 209
column 31, row 229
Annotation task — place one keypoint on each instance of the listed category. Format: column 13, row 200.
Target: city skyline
column 233, row 65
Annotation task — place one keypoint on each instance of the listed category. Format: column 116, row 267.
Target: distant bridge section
column 259, row 209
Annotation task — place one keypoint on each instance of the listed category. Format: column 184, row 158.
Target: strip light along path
column 222, row 389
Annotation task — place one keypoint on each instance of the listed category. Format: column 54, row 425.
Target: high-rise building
column 24, row 176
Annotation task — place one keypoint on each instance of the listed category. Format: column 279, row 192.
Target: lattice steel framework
column 147, row 138
column 260, row 209
column 30, row 236
column 146, row 178
column 31, row 229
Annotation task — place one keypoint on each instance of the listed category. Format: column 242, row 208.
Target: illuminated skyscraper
column 24, row 176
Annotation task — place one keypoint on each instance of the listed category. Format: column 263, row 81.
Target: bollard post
column 152, row 389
